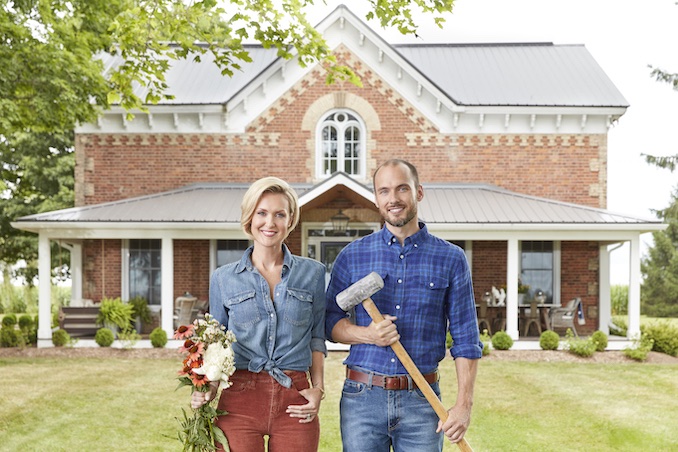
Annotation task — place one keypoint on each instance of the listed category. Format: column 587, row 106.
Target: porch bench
column 79, row 321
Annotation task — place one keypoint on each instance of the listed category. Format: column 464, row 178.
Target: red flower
column 184, row 331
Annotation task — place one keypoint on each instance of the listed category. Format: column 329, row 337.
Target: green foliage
column 487, row 342
column 640, row 348
column 664, row 337
column 61, row 338
column 659, row 292
column 619, row 326
column 115, row 312
column 619, row 298
column 128, row 338
column 9, row 321
column 502, row 341
column 600, row 340
column 158, row 337
column 104, row 337
column 25, row 322
column 549, row 340
column 10, row 337
column 578, row 346
column 140, row 309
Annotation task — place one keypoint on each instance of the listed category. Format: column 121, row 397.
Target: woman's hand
column 199, row 398
column 306, row 413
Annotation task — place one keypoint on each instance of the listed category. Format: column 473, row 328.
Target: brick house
column 510, row 141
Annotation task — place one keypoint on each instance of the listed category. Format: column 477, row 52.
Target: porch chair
column 183, row 310
column 564, row 316
column 532, row 319
column 483, row 321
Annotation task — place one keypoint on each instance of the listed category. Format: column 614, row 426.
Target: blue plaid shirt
column 427, row 283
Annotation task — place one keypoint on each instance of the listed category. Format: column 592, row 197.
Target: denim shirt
column 271, row 335
column 427, row 286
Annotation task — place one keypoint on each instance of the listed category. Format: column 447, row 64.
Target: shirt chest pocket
column 432, row 288
column 242, row 309
column 298, row 307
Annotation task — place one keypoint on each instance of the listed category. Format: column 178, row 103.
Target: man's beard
column 399, row 223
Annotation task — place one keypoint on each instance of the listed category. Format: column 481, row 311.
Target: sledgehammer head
column 359, row 291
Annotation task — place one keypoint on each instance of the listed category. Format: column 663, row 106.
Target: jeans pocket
column 353, row 388
column 434, row 386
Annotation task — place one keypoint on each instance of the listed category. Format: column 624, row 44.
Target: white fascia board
column 605, row 232
column 333, row 182
column 131, row 230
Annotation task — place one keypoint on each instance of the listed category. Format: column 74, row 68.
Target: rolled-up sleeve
column 461, row 311
column 318, row 334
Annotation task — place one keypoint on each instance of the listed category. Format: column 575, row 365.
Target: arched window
column 341, row 144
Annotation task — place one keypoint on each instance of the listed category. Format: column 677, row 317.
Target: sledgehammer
column 360, row 292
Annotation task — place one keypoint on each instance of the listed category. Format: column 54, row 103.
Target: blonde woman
column 274, row 302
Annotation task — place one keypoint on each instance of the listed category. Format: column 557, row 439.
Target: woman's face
column 271, row 220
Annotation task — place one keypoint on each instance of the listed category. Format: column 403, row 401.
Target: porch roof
column 443, row 204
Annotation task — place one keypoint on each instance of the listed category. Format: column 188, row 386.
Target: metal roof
column 442, row 204
column 527, row 74
column 518, row 74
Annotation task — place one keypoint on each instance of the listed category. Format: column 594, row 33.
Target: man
column 427, row 285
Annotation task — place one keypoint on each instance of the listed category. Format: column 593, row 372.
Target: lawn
column 128, row 404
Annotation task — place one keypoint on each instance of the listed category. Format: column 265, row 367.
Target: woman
column 274, row 303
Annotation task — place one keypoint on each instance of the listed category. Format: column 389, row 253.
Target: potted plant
column 522, row 290
column 114, row 314
column 141, row 313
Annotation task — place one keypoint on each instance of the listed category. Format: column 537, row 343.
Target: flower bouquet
column 208, row 359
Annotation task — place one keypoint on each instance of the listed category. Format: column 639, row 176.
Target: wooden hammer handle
column 414, row 372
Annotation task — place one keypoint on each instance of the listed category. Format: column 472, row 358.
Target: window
column 144, row 270
column 536, row 268
column 341, row 145
column 230, row 251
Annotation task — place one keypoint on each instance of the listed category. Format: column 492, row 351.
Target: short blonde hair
column 254, row 194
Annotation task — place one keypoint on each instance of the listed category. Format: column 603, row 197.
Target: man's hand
column 385, row 332
column 458, row 421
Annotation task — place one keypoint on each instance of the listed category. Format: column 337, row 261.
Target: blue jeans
column 373, row 419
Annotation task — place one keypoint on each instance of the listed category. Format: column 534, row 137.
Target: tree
column 659, row 292
column 51, row 79
column 669, row 161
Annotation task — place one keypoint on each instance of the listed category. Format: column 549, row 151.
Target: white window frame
column 320, row 159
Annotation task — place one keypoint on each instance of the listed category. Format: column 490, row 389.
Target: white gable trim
column 334, row 181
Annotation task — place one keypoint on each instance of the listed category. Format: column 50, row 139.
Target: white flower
column 215, row 361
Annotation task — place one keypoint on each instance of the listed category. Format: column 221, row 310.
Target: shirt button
column 392, row 360
column 272, row 315
column 398, row 307
column 270, row 338
column 402, row 257
column 430, row 284
column 400, row 281
column 277, row 294
column 415, row 245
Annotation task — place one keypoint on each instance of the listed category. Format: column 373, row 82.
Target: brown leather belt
column 386, row 382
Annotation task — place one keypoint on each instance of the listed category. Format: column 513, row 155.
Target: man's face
column 396, row 195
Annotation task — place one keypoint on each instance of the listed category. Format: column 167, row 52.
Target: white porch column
column 44, row 292
column 634, row 289
column 604, row 304
column 76, row 271
column 167, row 284
column 512, row 289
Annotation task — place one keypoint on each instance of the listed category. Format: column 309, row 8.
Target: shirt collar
column 416, row 238
column 245, row 262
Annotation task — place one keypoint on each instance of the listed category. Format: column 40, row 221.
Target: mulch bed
column 168, row 353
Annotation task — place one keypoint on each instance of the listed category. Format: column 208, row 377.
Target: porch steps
column 79, row 321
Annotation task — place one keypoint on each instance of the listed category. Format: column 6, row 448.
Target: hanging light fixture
column 339, row 222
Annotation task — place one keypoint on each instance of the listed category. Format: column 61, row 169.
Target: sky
column 624, row 37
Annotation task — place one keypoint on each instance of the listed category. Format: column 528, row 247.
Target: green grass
column 131, row 404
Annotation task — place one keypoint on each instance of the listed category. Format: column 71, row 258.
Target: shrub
column 502, row 341
column 619, row 326
column 664, row 335
column 104, row 337
column 114, row 311
column 9, row 321
column 140, row 309
column 580, row 347
column 61, row 338
column 486, row 340
column 25, row 322
column 128, row 338
column 158, row 337
column 600, row 339
column 549, row 340
column 640, row 348
column 9, row 337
